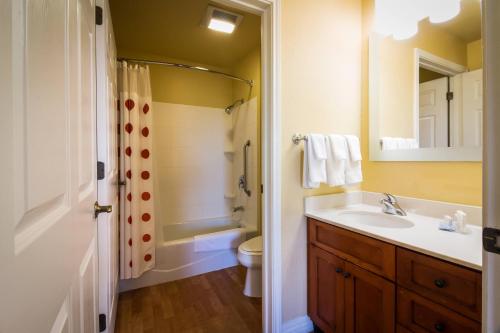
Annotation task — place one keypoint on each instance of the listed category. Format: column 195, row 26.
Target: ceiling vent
column 221, row 20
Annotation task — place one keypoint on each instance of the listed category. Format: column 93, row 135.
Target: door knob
column 98, row 209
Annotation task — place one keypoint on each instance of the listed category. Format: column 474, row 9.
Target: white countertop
column 424, row 236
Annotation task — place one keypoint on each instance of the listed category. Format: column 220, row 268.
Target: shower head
column 231, row 107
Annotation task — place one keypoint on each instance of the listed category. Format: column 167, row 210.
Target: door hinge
column 449, row 96
column 98, row 15
column 491, row 240
column 100, row 170
column 102, row 322
column 261, row 188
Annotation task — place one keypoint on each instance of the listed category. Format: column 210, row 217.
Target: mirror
column 425, row 85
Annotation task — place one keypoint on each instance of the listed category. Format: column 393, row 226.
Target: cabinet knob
column 440, row 327
column 346, row 274
column 440, row 283
column 338, row 270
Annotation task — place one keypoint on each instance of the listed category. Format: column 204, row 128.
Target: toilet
column 250, row 256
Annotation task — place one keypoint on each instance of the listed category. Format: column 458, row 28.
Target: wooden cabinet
column 369, row 301
column 453, row 286
column 326, row 290
column 420, row 315
column 354, row 286
column 371, row 254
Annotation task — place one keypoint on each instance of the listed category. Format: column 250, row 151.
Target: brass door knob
column 98, row 209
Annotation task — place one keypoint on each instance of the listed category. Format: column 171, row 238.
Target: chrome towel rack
column 297, row 137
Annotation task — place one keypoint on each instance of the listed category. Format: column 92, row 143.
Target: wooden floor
column 208, row 303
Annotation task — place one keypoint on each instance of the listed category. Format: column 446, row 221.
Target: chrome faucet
column 391, row 206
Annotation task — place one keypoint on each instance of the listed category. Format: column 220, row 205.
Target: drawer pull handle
column 347, row 274
column 439, row 327
column 338, row 270
column 440, row 283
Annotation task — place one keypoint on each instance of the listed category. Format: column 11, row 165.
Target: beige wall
column 181, row 86
column 459, row 182
column 321, row 85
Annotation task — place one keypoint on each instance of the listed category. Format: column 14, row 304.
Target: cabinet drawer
column 418, row 315
column 374, row 255
column 453, row 286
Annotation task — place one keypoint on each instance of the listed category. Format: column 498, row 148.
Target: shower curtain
column 137, row 244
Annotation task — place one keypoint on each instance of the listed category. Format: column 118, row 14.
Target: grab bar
column 243, row 183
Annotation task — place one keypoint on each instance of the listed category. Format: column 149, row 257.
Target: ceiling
column 467, row 25
column 171, row 29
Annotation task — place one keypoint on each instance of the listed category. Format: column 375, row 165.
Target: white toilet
column 250, row 256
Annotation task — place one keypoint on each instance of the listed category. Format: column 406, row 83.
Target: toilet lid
column 252, row 245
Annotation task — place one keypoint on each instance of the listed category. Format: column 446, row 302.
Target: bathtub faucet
column 238, row 209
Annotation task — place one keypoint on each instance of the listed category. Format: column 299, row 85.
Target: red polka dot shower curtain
column 137, row 246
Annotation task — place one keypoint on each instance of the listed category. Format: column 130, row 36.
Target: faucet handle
column 392, row 199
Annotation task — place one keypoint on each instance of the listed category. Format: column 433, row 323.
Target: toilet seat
column 252, row 246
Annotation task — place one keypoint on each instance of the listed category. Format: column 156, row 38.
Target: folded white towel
column 354, row 147
column 336, row 151
column 314, row 161
column 412, row 143
column 353, row 173
column 389, row 143
column 402, row 143
column 220, row 240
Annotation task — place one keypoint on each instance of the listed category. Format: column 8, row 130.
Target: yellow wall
column 475, row 55
column 321, row 86
column 181, row 86
column 397, row 74
column 446, row 181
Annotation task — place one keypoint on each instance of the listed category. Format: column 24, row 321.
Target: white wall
column 244, row 120
column 189, row 168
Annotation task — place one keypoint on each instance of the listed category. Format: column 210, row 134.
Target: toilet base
column 253, row 282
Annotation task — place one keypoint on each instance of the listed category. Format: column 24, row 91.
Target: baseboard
column 298, row 325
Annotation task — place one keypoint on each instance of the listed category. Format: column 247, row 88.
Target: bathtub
column 176, row 257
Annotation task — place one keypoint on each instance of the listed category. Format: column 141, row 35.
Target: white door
column 107, row 154
column 48, row 246
column 491, row 166
column 433, row 113
column 472, row 108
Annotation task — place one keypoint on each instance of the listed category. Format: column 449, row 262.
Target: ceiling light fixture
column 221, row 20
column 221, row 25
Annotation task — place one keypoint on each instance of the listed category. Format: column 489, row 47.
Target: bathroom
column 204, row 138
column 271, row 166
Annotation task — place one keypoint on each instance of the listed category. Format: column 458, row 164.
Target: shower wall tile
column 190, row 170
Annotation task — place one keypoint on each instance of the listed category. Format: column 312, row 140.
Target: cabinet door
column 326, row 290
column 369, row 301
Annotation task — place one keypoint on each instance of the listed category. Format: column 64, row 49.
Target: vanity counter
column 424, row 236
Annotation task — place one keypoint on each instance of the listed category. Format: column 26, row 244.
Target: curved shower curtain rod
column 196, row 68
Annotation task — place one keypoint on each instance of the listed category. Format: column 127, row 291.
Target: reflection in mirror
column 426, row 82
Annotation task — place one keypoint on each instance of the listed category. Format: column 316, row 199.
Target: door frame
column 491, row 161
column 270, row 13
column 434, row 63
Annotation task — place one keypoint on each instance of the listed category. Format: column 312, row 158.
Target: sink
column 379, row 220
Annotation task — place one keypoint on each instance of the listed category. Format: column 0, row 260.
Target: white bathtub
column 177, row 259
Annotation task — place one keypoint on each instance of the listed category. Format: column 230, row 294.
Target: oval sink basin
column 375, row 219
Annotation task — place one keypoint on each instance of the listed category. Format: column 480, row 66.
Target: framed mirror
column 425, row 83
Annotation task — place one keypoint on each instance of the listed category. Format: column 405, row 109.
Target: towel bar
column 296, row 138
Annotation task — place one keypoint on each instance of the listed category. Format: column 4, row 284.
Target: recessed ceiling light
column 221, row 25
column 221, row 20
